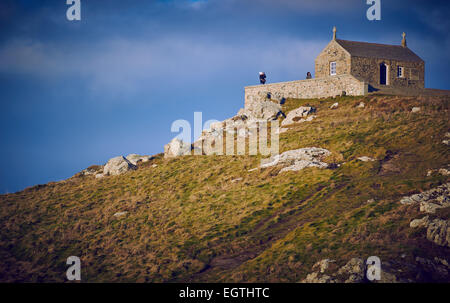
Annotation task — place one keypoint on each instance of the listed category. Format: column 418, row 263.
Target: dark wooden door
column 383, row 74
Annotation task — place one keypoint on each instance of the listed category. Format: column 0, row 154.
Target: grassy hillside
column 191, row 218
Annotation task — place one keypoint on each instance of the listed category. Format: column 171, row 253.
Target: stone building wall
column 368, row 69
column 304, row 89
column 333, row 52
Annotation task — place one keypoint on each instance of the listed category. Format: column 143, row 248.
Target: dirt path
column 229, row 262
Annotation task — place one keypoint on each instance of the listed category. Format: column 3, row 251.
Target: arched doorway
column 384, row 74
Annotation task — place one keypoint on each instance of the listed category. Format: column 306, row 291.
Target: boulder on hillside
column 297, row 159
column 91, row 170
column 334, row 105
column 298, row 115
column 120, row 214
column 176, row 148
column 265, row 110
column 366, row 159
column 117, row 166
column 134, row 158
column 430, row 200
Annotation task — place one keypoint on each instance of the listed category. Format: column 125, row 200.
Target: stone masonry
column 304, row 89
column 365, row 61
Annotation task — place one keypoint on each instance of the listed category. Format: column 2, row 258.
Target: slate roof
column 381, row 51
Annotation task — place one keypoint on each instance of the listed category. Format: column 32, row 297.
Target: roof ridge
column 378, row 50
column 373, row 43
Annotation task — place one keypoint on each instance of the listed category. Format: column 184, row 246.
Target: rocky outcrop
column 322, row 265
column 416, row 223
column 438, row 231
column 114, row 166
column 117, row 166
column 265, row 110
column 244, row 124
column 400, row 270
column 353, row 271
column 444, row 171
column 299, row 115
column 298, row 159
column 430, row 200
column 134, row 158
column 315, row 277
column 91, row 170
column 176, row 148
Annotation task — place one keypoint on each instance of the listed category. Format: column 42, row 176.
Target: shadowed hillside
column 207, row 218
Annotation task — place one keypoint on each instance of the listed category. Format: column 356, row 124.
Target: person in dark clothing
column 262, row 77
column 308, row 75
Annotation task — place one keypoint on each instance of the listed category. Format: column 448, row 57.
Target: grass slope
column 189, row 220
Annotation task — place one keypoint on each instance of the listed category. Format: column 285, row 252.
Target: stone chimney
column 404, row 39
column 334, row 32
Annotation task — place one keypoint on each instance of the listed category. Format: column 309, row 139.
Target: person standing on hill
column 308, row 75
column 262, row 77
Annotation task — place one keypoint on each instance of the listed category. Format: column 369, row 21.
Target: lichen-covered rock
column 354, row 271
column 316, row 278
column 91, row 170
column 297, row 159
column 439, row 232
column 420, row 222
column 265, row 110
column 298, row 115
column 430, row 200
column 117, row 166
column 429, row 207
column 134, row 158
column 322, row 265
column 398, row 270
column 176, row 148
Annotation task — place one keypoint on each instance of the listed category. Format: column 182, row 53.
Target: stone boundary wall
column 304, row 89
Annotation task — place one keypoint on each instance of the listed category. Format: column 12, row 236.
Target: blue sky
column 73, row 94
